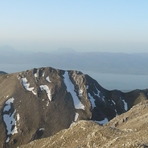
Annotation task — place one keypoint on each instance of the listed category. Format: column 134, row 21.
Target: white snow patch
column 92, row 100
column 27, row 85
column 98, row 93
column 18, row 117
column 71, row 90
column 34, row 92
column 41, row 129
column 36, row 75
column 116, row 112
column 47, row 103
column 48, row 79
column 125, row 105
column 43, row 74
column 76, row 117
column 113, row 102
column 11, row 100
column 9, row 119
column 7, row 140
column 81, row 92
column 8, row 104
column 103, row 98
column 103, row 121
column 87, row 86
column 48, row 91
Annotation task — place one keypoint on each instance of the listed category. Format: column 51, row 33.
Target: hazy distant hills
column 2, row 72
column 91, row 61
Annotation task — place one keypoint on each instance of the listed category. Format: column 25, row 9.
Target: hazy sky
column 84, row 25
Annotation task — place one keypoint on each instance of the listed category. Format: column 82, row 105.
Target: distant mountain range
column 121, row 63
column 2, row 72
column 39, row 103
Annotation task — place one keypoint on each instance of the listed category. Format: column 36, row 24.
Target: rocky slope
column 38, row 103
column 128, row 130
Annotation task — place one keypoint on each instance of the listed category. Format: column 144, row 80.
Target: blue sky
column 81, row 25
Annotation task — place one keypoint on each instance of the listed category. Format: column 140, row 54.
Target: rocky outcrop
column 128, row 130
column 38, row 103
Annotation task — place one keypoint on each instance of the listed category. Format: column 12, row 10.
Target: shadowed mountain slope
column 128, row 130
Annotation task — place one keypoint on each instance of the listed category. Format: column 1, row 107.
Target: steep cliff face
column 40, row 102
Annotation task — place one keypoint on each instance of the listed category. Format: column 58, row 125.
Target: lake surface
column 124, row 82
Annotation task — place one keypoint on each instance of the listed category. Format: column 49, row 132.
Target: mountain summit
column 38, row 103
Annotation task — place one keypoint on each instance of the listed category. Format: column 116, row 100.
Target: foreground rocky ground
column 129, row 130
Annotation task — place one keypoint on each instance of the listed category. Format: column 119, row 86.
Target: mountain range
column 118, row 63
column 42, row 102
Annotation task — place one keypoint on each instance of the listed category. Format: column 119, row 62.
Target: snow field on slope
column 9, row 119
column 92, row 100
column 125, row 105
column 48, row 91
column 104, row 121
column 27, row 85
column 48, row 79
column 71, row 90
column 76, row 117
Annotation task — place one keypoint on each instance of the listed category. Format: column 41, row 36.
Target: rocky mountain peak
column 38, row 103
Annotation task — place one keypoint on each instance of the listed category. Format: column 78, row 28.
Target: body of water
column 124, row 82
